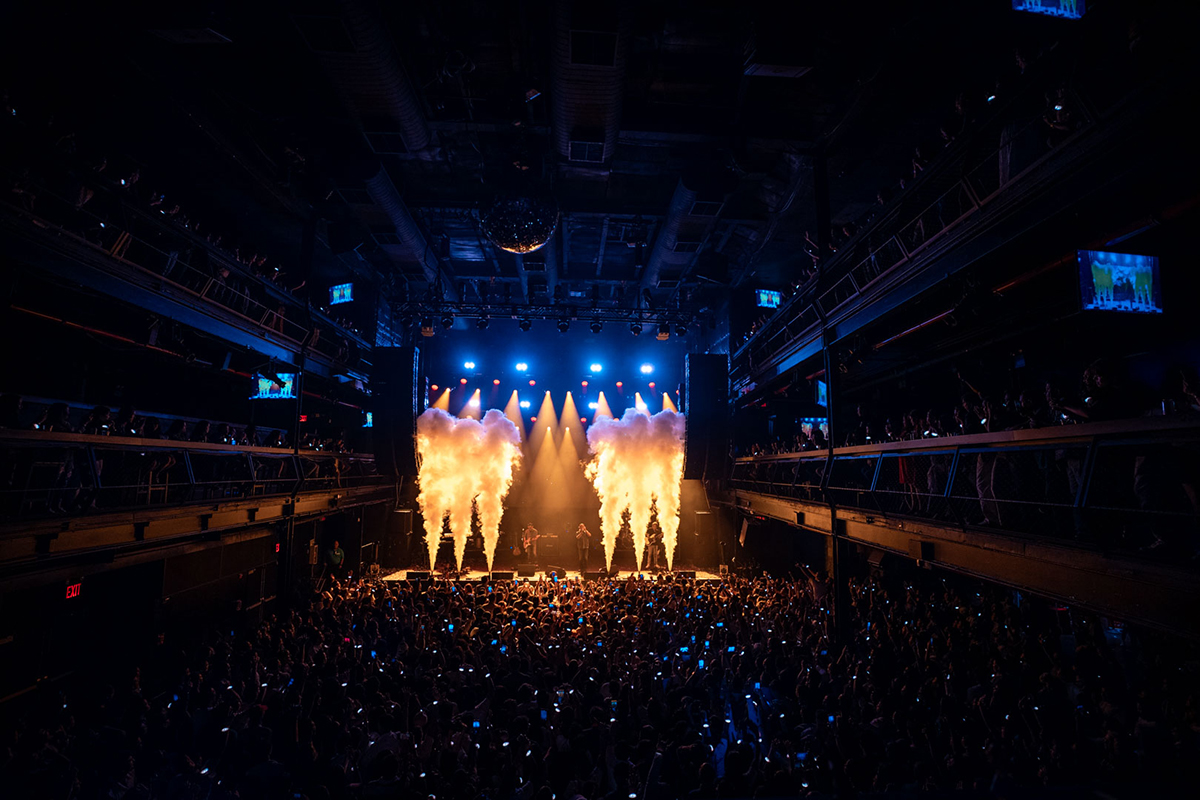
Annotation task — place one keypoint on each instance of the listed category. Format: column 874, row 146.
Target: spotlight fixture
column 635, row 328
column 597, row 326
column 426, row 326
column 680, row 329
column 647, row 369
column 448, row 321
column 593, row 406
column 463, row 381
column 468, row 365
column 496, row 382
column 522, row 366
column 524, row 404
column 564, row 325
column 482, row 323
column 664, row 332
column 526, row 323
column 596, row 367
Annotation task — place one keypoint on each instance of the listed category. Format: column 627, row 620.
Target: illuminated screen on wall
column 1119, row 282
column 768, row 298
column 1065, row 9
column 342, row 293
column 370, row 420
column 822, row 393
column 270, row 389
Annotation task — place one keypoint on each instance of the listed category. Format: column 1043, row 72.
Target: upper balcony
column 140, row 257
column 1026, row 163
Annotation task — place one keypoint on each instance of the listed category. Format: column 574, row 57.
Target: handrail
column 1048, row 435
column 51, row 438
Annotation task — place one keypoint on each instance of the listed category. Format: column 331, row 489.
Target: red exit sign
column 74, row 590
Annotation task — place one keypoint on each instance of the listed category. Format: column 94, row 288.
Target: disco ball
column 519, row 224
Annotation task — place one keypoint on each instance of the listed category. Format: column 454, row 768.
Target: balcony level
column 1000, row 185
column 1100, row 515
column 73, row 502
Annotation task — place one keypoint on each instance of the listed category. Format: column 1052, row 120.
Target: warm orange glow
column 640, row 404
column 602, row 408
column 512, row 410
column 443, row 401
column 433, row 388
column 667, row 404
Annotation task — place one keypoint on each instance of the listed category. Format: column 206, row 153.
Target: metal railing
column 1132, row 484
column 68, row 473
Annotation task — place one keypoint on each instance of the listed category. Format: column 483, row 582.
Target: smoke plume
column 466, row 464
column 637, row 461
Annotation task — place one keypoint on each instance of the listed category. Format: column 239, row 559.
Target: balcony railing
column 1126, row 485
column 48, row 474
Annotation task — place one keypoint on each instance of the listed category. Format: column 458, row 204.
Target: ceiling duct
column 371, row 78
column 411, row 242
column 589, row 52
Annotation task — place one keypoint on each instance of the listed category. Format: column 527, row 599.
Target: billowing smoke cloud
column 465, row 462
column 637, row 461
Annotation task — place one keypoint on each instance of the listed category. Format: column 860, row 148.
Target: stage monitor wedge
column 706, row 404
column 395, row 384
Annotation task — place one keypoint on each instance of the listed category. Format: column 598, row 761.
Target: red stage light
column 585, row 384
column 583, row 420
column 619, row 384
column 462, row 381
column 433, row 388
column 496, row 382
column 651, row 384
column 533, row 383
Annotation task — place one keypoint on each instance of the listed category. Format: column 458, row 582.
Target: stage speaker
column 557, row 569
column 500, row 576
column 343, row 237
column 595, row 576
column 526, row 571
column 690, row 574
column 416, row 575
column 395, row 384
column 706, row 403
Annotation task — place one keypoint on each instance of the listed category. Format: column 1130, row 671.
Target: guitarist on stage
column 529, row 540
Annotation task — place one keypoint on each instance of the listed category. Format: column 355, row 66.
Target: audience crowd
column 622, row 689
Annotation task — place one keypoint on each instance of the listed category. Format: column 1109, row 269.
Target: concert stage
column 475, row 575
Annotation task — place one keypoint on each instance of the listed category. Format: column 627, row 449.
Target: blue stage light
column 524, row 404
column 597, row 367
column 468, row 365
column 647, row 369
column 522, row 366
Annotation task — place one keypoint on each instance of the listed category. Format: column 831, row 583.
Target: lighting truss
column 419, row 309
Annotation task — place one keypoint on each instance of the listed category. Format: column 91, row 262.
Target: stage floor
column 475, row 575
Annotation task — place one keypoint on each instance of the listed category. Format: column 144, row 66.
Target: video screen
column 1119, row 282
column 370, row 421
column 822, row 393
column 271, row 389
column 768, row 298
column 342, row 293
column 1065, row 9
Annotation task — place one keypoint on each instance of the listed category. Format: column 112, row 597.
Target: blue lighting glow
column 522, row 366
column 468, row 365
column 524, row 404
column 1065, row 9
column 647, row 369
column 597, row 367
column 593, row 406
column 342, row 293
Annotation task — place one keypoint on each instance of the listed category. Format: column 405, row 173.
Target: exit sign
column 74, row 589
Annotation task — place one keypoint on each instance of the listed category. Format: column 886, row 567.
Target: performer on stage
column 529, row 540
column 654, row 543
column 583, row 542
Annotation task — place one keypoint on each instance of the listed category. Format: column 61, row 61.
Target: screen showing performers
column 1119, row 282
